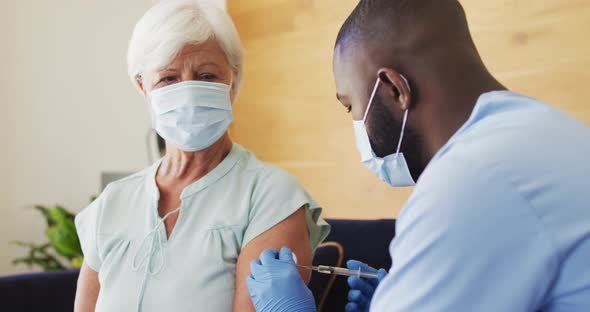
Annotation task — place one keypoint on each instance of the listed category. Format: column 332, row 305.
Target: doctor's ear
column 397, row 86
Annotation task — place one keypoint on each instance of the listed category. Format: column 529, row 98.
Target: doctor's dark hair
column 409, row 24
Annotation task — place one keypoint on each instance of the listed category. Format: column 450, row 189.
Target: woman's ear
column 232, row 87
column 139, row 81
column 397, row 85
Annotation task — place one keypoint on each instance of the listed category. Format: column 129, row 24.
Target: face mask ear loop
column 371, row 99
column 401, row 136
column 407, row 83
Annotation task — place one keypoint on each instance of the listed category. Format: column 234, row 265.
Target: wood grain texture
column 288, row 115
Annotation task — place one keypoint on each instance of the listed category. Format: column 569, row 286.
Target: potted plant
column 63, row 250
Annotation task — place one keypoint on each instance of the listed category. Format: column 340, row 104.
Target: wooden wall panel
column 288, row 115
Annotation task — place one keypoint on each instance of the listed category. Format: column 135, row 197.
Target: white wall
column 68, row 110
column 5, row 136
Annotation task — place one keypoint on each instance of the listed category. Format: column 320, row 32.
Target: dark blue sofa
column 363, row 240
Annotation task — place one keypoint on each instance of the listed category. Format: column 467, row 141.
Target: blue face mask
column 393, row 168
column 191, row 115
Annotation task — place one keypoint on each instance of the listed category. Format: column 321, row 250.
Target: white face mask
column 393, row 168
column 191, row 115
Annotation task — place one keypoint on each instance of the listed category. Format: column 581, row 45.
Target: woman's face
column 200, row 62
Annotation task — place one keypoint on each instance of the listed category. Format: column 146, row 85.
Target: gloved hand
column 361, row 289
column 276, row 286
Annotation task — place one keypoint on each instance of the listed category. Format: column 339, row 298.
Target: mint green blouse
column 139, row 269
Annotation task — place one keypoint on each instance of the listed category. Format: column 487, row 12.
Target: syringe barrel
column 344, row 272
column 357, row 273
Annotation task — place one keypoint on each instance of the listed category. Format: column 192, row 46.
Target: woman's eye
column 166, row 80
column 207, row 76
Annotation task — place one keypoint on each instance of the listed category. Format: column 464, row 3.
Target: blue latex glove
column 276, row 286
column 361, row 289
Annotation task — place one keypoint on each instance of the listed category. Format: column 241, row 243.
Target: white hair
column 170, row 25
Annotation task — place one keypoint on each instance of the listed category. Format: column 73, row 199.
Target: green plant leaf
column 63, row 240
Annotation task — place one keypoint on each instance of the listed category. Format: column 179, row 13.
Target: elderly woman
column 180, row 235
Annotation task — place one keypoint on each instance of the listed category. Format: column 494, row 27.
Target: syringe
column 339, row 271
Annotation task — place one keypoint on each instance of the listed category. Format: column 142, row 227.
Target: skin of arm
column 87, row 291
column 291, row 232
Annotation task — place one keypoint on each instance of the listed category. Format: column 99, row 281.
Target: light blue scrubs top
column 500, row 218
column 194, row 270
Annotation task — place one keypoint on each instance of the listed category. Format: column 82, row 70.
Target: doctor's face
column 355, row 74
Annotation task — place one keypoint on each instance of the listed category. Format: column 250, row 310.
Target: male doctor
column 500, row 216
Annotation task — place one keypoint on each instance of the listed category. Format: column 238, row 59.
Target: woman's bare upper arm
column 88, row 289
column 291, row 232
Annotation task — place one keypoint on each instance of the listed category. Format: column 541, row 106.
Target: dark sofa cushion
column 50, row 291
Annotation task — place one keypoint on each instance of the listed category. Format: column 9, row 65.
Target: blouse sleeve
column 87, row 225
column 277, row 196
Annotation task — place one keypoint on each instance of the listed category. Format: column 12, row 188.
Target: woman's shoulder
column 266, row 173
column 118, row 194
column 276, row 195
column 139, row 183
column 129, row 182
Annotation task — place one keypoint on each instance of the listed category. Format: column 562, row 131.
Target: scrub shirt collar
column 480, row 110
